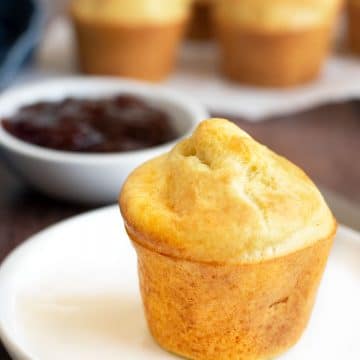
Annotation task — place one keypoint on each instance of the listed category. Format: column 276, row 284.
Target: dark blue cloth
column 21, row 22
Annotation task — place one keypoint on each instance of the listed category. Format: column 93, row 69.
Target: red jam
column 116, row 124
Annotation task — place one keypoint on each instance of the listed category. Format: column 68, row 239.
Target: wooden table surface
column 325, row 141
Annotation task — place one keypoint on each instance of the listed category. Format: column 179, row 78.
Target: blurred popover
column 353, row 11
column 201, row 25
column 274, row 43
column 137, row 38
column 232, row 241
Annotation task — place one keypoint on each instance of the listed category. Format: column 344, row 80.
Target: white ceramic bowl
column 88, row 178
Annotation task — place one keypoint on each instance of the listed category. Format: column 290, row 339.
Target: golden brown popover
column 137, row 38
column 274, row 43
column 232, row 240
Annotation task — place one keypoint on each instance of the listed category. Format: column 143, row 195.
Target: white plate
column 71, row 292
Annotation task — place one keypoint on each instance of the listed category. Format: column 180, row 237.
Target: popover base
column 146, row 52
column 278, row 59
column 229, row 312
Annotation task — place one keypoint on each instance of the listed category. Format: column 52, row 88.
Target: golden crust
column 232, row 241
column 278, row 14
column 292, row 57
column 146, row 52
column 230, row 312
column 132, row 12
column 221, row 197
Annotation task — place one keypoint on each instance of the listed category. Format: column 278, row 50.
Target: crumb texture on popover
column 277, row 14
column 221, row 197
column 132, row 11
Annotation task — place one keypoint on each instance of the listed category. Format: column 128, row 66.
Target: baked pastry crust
column 221, row 197
column 136, row 39
column 232, row 241
column 146, row 52
column 132, row 12
column 276, row 43
column 230, row 312
column 277, row 15
column 292, row 57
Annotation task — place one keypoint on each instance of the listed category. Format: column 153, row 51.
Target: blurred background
column 288, row 72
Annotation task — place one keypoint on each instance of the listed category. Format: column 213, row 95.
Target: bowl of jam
column 78, row 138
column 113, row 124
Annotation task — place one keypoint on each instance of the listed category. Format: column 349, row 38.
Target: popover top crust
column 221, row 197
column 278, row 14
column 131, row 12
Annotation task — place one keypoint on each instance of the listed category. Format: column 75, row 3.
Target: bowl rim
column 174, row 98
